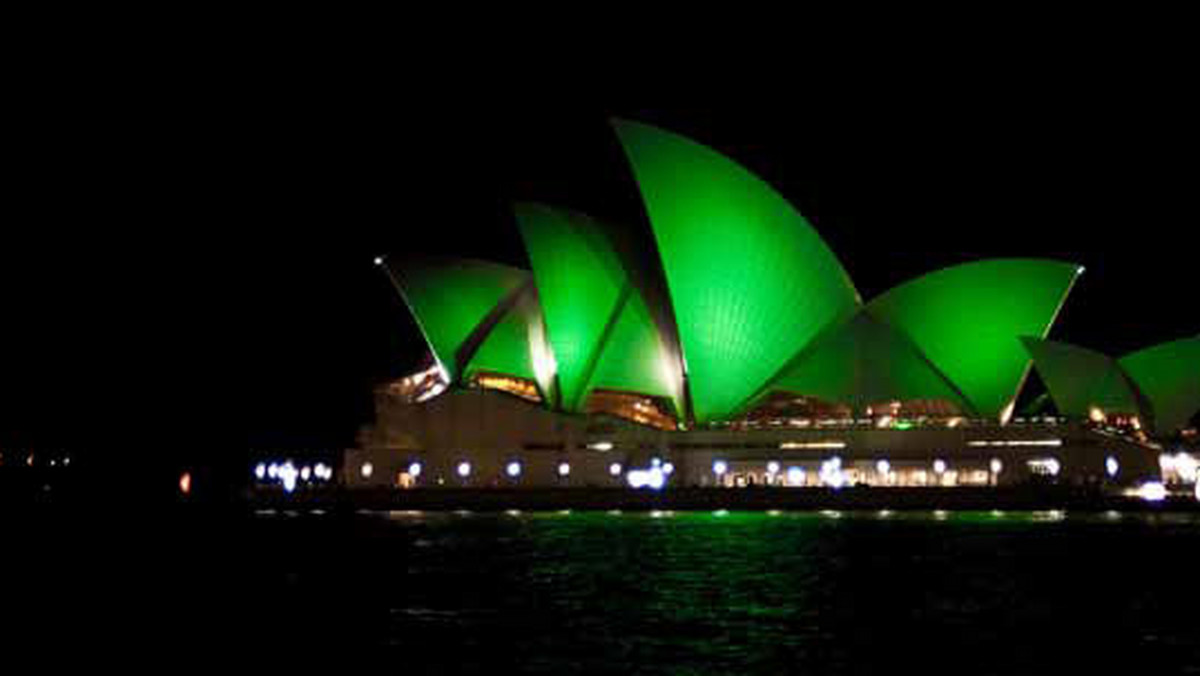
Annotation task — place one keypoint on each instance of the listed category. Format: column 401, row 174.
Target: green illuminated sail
column 1168, row 375
column 516, row 346
column 864, row 362
column 454, row 301
column 1080, row 379
column 968, row 321
column 597, row 324
column 636, row 359
column 751, row 282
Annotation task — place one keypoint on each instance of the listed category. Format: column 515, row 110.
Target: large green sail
column 750, row 281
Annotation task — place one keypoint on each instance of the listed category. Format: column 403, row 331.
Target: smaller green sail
column 453, row 301
column 597, row 323
column 517, row 346
column 1080, row 379
column 968, row 320
column 1168, row 375
column 863, row 362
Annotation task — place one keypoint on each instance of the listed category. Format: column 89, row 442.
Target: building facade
column 487, row 438
column 726, row 345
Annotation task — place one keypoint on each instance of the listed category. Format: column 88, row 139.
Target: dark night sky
column 186, row 264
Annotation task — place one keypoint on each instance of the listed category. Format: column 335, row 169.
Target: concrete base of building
column 476, row 438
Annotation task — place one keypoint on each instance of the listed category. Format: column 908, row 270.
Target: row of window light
column 831, row 469
column 514, row 469
column 655, row 476
column 830, row 472
column 53, row 462
column 288, row 474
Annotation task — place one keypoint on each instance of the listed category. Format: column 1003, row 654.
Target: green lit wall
column 1079, row 379
column 750, row 281
column 1168, row 375
column 968, row 321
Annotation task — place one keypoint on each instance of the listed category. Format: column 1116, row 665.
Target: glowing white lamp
column 652, row 478
column 1166, row 463
column 1153, row 491
column 288, row 474
column 655, row 478
column 831, row 473
column 795, row 476
column 1186, row 467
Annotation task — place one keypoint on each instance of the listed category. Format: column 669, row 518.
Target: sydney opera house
column 727, row 346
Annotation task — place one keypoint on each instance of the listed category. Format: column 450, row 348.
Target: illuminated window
column 650, row 411
column 520, row 387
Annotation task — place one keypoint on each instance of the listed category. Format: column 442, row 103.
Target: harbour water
column 640, row 592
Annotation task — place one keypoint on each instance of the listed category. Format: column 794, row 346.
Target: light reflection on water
column 746, row 592
column 916, row 515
